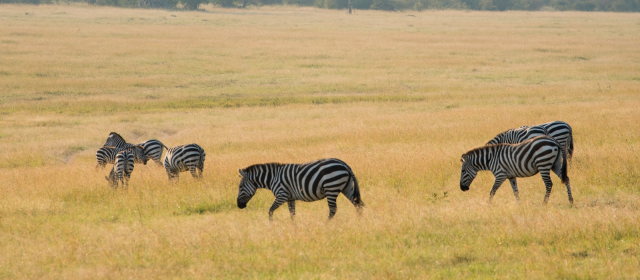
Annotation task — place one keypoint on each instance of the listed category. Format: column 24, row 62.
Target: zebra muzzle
column 241, row 204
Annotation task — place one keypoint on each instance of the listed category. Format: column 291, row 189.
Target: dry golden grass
column 398, row 96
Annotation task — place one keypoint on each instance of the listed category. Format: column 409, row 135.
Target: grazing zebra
column 307, row 182
column 107, row 154
column 122, row 168
column 182, row 158
column 509, row 161
column 153, row 150
column 558, row 130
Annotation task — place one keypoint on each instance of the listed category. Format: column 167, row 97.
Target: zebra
column 107, row 154
column 508, row 161
column 307, row 182
column 153, row 149
column 182, row 158
column 122, row 168
column 558, row 130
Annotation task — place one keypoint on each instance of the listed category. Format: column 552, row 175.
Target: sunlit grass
column 398, row 96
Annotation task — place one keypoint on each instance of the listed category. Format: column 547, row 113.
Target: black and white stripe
column 106, row 155
column 558, row 130
column 184, row 158
column 122, row 168
column 307, row 182
column 510, row 161
column 115, row 140
column 153, row 150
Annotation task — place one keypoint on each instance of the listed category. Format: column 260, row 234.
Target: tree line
column 390, row 5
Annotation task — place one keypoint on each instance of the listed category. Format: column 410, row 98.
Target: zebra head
column 246, row 190
column 468, row 173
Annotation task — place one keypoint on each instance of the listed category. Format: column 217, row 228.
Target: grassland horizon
column 398, row 96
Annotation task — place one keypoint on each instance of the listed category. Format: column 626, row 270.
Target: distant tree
column 224, row 3
column 386, row 5
column 361, row 4
column 191, row 4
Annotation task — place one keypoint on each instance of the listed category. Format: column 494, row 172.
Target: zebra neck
column 483, row 157
column 266, row 179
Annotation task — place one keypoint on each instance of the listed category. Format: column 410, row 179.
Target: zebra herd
column 124, row 155
column 522, row 152
column 518, row 152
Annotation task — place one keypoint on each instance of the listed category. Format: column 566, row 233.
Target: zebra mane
column 253, row 167
column 489, row 146
column 115, row 135
column 475, row 150
column 524, row 127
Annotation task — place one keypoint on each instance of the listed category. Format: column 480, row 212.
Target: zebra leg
column 331, row 200
column 194, row 172
column 275, row 205
column 292, row 208
column 547, row 183
column 569, row 192
column 173, row 176
column 499, row 180
column 567, row 184
column 514, row 186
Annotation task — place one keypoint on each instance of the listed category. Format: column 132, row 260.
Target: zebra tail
column 201, row 162
column 570, row 148
column 565, row 177
column 356, row 192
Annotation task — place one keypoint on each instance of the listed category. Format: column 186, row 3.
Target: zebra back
column 122, row 168
column 561, row 132
column 517, row 135
column 124, row 163
column 153, row 149
column 558, row 130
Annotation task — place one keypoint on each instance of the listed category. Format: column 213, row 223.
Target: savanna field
column 399, row 96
